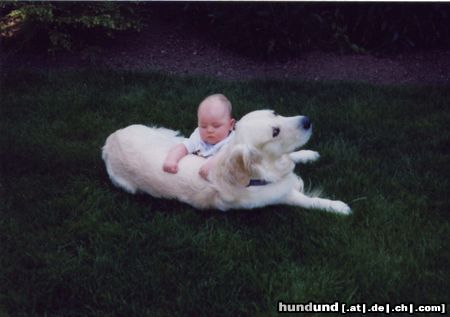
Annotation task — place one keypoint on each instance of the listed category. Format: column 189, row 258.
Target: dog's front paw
column 311, row 156
column 340, row 207
column 305, row 156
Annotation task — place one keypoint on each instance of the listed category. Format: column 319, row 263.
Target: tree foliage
column 65, row 25
column 265, row 29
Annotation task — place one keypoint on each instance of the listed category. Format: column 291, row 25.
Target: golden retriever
column 254, row 169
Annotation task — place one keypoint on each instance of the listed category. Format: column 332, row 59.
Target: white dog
column 254, row 169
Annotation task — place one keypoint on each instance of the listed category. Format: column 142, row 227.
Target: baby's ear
column 233, row 124
column 239, row 165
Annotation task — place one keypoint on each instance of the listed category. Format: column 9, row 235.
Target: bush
column 64, row 25
column 274, row 29
column 266, row 29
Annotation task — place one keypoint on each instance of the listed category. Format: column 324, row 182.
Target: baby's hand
column 170, row 167
column 206, row 167
column 204, row 171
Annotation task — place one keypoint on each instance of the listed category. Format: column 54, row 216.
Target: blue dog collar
column 257, row 182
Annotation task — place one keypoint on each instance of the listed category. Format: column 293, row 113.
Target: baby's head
column 214, row 118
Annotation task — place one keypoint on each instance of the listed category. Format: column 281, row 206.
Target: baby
column 215, row 128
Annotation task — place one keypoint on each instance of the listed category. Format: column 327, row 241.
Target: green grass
column 74, row 245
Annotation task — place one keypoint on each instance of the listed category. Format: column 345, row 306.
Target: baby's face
column 214, row 122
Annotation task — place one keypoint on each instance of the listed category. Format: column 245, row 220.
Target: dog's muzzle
column 305, row 123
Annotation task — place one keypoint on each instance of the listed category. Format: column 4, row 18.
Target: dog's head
column 271, row 133
column 262, row 140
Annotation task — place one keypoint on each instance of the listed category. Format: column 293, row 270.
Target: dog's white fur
column 134, row 158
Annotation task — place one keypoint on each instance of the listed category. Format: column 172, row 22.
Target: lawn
column 74, row 245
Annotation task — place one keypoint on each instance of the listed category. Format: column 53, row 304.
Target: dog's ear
column 239, row 165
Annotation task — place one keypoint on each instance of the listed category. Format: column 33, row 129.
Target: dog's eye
column 275, row 132
column 275, row 113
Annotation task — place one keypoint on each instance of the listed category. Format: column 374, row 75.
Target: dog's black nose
column 305, row 123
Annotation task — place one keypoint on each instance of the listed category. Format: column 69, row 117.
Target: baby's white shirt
column 195, row 145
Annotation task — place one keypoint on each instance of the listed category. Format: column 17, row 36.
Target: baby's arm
column 173, row 157
column 207, row 166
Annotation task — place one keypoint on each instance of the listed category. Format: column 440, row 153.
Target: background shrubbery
column 65, row 25
column 266, row 29
column 253, row 29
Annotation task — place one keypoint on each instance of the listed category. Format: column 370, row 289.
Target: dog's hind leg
column 296, row 198
column 117, row 179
